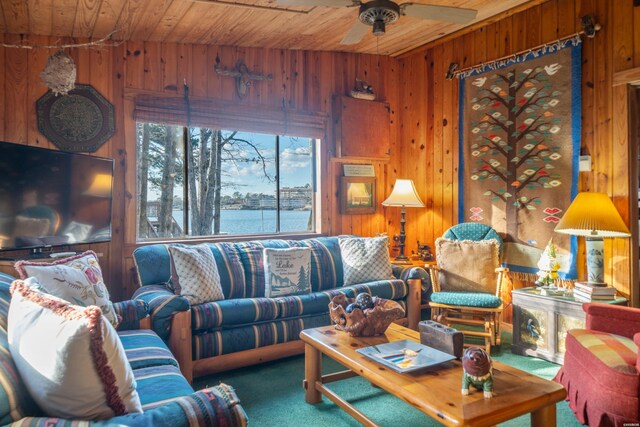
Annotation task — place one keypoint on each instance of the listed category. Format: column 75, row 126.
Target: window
column 198, row 181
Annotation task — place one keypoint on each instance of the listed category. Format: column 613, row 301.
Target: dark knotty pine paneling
column 427, row 112
column 303, row 80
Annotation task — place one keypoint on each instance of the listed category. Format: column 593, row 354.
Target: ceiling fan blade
column 356, row 33
column 328, row 3
column 456, row 15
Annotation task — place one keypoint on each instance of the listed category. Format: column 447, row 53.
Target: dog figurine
column 477, row 371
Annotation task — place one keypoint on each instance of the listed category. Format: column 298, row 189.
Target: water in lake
column 256, row 221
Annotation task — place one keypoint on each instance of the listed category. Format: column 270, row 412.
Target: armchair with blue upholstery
column 166, row 396
column 467, row 281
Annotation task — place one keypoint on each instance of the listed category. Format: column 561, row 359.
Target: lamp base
column 595, row 259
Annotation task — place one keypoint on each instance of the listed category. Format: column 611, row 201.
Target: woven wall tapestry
column 519, row 149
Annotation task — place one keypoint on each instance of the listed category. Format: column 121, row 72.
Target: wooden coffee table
column 436, row 392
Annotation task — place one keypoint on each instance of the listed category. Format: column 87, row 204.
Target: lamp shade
column 404, row 194
column 100, row 186
column 592, row 214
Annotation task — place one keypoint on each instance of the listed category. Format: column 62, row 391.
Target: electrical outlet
column 585, row 164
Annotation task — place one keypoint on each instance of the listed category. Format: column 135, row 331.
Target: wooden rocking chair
column 467, row 281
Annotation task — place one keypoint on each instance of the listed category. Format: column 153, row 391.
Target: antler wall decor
column 242, row 75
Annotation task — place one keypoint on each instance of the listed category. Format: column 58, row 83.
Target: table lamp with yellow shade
column 594, row 216
column 404, row 194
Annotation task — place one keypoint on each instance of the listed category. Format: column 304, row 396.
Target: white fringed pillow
column 365, row 259
column 77, row 279
column 70, row 359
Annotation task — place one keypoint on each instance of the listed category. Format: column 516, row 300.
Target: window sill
column 232, row 238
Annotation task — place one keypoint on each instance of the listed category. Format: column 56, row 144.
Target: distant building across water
column 291, row 198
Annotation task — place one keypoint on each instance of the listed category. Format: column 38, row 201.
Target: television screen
column 53, row 198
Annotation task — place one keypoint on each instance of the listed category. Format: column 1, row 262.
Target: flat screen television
column 52, row 198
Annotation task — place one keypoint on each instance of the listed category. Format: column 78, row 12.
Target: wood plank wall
column 423, row 106
column 429, row 112
column 303, row 80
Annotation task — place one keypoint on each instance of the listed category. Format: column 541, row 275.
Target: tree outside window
column 202, row 182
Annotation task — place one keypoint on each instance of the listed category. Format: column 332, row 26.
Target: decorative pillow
column 467, row 265
column 286, row 271
column 77, row 279
column 365, row 259
column 71, row 360
column 194, row 273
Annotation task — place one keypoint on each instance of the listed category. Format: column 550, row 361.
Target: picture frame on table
column 358, row 195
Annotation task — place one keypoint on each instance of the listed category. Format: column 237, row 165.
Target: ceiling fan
column 379, row 13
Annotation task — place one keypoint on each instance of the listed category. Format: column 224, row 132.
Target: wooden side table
column 541, row 322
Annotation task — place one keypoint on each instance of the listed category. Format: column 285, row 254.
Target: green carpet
column 272, row 394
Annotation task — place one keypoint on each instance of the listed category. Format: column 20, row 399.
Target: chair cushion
column 158, row 385
column 365, row 259
column 614, row 351
column 194, row 273
column 286, row 271
column 144, row 348
column 467, row 299
column 467, row 265
column 70, row 358
column 77, row 279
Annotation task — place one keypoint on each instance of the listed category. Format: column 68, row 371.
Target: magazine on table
column 405, row 356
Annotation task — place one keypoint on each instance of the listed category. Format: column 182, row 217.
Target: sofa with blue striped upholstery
column 246, row 328
column 166, row 396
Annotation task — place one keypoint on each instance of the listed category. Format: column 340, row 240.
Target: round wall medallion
column 82, row 120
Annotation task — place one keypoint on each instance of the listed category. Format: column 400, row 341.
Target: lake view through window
column 204, row 182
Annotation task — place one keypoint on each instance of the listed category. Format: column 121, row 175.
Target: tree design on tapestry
column 512, row 142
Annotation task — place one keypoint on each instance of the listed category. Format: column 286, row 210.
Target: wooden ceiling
column 229, row 22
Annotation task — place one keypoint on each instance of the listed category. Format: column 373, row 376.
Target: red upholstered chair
column 601, row 363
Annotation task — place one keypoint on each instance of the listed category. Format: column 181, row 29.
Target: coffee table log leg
column 312, row 373
column 544, row 417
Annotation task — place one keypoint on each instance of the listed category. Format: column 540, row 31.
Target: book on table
column 586, row 288
column 584, row 296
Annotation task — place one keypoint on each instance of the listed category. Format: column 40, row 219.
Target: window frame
column 272, row 120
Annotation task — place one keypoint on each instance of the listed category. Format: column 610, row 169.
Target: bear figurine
column 477, row 371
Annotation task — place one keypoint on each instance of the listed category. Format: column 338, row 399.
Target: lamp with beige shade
column 404, row 194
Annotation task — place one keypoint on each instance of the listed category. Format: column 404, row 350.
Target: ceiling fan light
column 378, row 27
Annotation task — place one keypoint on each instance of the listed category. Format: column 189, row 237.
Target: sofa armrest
column 613, row 319
column 163, row 304
column 407, row 272
column 130, row 313
column 214, row 406
column 418, row 290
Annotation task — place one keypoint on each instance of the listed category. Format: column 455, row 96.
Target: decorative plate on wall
column 82, row 120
